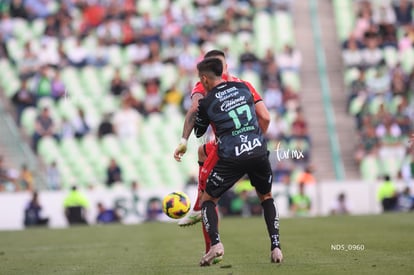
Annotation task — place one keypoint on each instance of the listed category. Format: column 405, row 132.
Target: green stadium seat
column 28, row 120
column 369, row 168
column 357, row 104
column 350, row 75
column 48, row 149
column 407, row 60
column 37, row 27
column 291, row 79
column 390, row 56
column 252, row 77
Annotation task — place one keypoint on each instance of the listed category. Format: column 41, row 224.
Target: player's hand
column 180, row 150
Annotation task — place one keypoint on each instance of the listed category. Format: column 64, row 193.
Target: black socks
column 210, row 221
column 272, row 222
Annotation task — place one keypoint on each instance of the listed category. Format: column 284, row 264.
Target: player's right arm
column 188, row 126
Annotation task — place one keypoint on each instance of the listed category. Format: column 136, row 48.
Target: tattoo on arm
column 190, row 116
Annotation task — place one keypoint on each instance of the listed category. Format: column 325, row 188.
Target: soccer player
column 207, row 153
column 229, row 107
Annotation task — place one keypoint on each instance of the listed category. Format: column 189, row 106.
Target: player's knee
column 263, row 197
column 201, row 154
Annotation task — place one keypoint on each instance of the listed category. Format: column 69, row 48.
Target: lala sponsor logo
column 247, row 145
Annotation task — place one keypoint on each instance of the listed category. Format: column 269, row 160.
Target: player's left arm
column 262, row 112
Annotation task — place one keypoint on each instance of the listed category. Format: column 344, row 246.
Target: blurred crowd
column 137, row 42
column 379, row 73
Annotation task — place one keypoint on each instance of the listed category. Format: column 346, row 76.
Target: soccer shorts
column 227, row 172
column 210, row 149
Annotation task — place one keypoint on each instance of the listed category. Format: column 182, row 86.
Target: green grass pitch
column 158, row 248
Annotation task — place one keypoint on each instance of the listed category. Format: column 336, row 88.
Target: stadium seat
column 390, row 56
column 369, row 168
column 28, row 120
column 291, row 79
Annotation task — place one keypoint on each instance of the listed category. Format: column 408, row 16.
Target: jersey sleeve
column 198, row 88
column 256, row 95
column 202, row 120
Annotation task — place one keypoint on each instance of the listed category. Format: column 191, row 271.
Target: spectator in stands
column 299, row 145
column 307, row 177
column 32, row 212
column 153, row 99
column 379, row 83
column 126, row 122
column 352, row 54
column 53, row 176
column 7, row 181
column 154, row 209
column 93, row 13
column 58, row 89
column 270, row 74
column 172, row 97
column 118, row 85
column 340, row 206
column 248, row 59
column 105, row 127
column 29, row 64
column 403, row 11
column 81, row 124
column 25, row 179
column 363, row 22
column 6, row 26
column 289, row 59
column 22, row 99
column 301, row 203
column 387, row 194
column 106, row 216
column 75, row 205
column 113, row 173
column 4, row 52
column 402, row 118
column 67, row 131
column 48, row 54
column 138, row 52
column 369, row 143
column 278, row 128
column 37, row 8
column 299, row 124
column 17, row 9
column 406, row 200
column 42, row 83
column 384, row 15
column 399, row 82
column 186, row 60
column 78, row 55
column 63, row 57
column 273, row 97
column 372, row 54
column 44, row 126
column 391, row 141
column 152, row 68
column 99, row 57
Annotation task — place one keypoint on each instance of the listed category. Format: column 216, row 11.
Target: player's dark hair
column 211, row 65
column 214, row 53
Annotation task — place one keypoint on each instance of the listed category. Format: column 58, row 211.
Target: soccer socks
column 197, row 206
column 210, row 221
column 272, row 222
column 206, row 237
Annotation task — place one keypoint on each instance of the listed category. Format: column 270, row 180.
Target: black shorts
column 227, row 172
